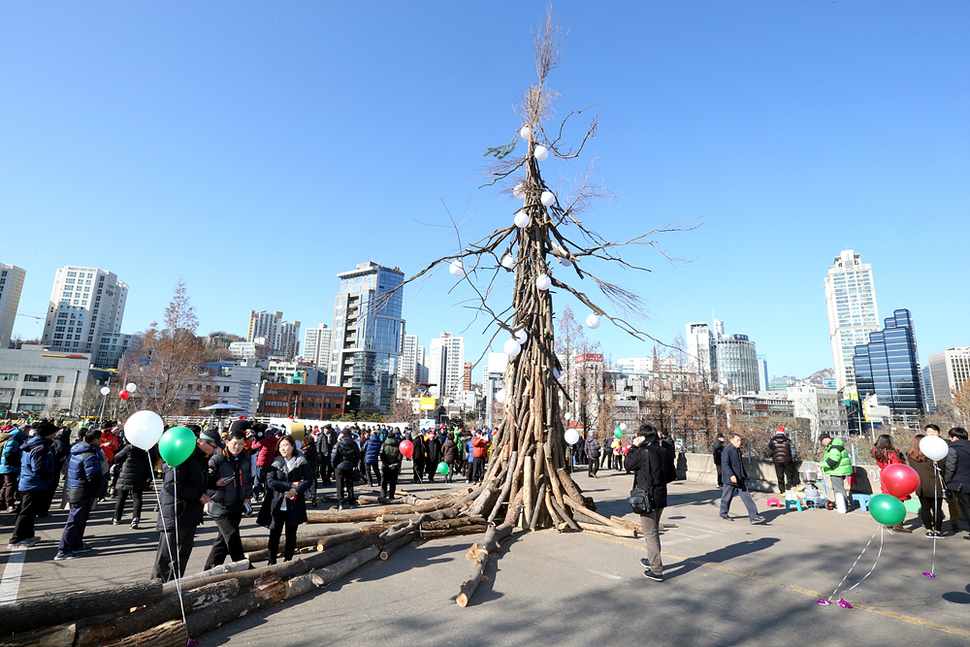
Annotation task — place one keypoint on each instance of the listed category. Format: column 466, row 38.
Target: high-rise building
column 888, row 366
column 762, row 372
column 467, row 382
column 926, row 381
column 729, row 359
column 446, row 364
column 317, row 345
column 850, row 298
column 409, row 359
column 282, row 337
column 949, row 371
column 700, row 348
column 11, row 284
column 367, row 335
column 86, row 303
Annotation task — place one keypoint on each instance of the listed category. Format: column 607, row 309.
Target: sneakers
column 933, row 534
column 644, row 562
column 650, row 575
column 757, row 520
column 60, row 557
column 134, row 524
column 116, row 522
column 726, row 518
column 83, row 549
column 24, row 543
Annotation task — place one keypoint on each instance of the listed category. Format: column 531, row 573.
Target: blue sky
column 258, row 149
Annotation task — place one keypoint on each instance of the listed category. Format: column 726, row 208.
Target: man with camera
column 653, row 468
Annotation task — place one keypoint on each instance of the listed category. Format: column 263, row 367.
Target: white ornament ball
column 593, row 320
column 522, row 219
column 543, row 282
column 571, row 436
column 500, row 396
column 105, row 390
column 525, row 132
column 511, row 348
column 521, row 336
column 456, row 268
column 131, row 387
column 541, row 153
column 623, row 426
column 548, row 198
column 519, row 191
column 508, row 262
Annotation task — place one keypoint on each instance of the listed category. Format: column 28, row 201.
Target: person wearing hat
column 11, row 440
column 177, row 523
column 783, row 456
column 36, row 476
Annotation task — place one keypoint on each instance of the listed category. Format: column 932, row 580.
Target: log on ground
column 388, row 548
column 59, row 636
column 267, row 590
column 627, row 523
column 482, row 552
column 302, row 584
column 334, row 572
column 169, row 634
column 306, row 532
column 608, row 530
column 473, row 529
column 579, row 507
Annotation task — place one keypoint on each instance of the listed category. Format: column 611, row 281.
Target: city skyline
column 791, row 131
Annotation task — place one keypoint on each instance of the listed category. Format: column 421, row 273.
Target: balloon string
column 168, row 546
column 856, row 562
column 936, row 515
column 882, row 536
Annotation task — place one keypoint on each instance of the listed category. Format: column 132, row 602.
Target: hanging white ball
column 522, row 219
column 543, row 282
column 519, row 191
column 548, row 198
column 131, row 387
column 623, row 426
column 105, row 390
column 508, row 262
column 456, row 268
column 541, row 153
column 500, row 396
column 571, row 436
column 593, row 320
column 556, row 373
column 511, row 348
column 566, row 262
column 521, row 336
column 525, row 132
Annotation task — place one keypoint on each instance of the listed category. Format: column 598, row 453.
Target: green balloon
column 176, row 445
column 443, row 468
column 887, row 509
column 618, row 433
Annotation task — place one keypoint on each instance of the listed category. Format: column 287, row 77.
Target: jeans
column 729, row 491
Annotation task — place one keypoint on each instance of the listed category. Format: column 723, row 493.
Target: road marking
column 10, row 585
column 798, row 589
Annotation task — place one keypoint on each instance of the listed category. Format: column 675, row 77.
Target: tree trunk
column 388, row 548
column 489, row 545
column 36, row 613
column 608, row 530
column 302, row 584
column 579, row 507
column 267, row 590
column 59, row 636
column 170, row 634
column 472, row 529
column 250, row 544
column 331, row 574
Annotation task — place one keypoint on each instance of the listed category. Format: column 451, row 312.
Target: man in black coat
column 653, row 468
column 717, row 449
column 783, row 456
column 344, row 457
column 593, row 451
column 735, row 481
column 177, row 523
column 956, row 470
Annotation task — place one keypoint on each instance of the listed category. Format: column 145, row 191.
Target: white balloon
column 131, row 387
column 593, row 320
column 548, row 198
column 500, row 396
column 525, row 132
column 522, row 219
column 543, row 282
column 105, row 390
column 512, row 348
column 571, row 436
column 623, row 427
column 144, row 428
column 934, row 448
column 508, row 262
column 519, row 191
column 456, row 268
column 556, row 373
column 542, row 153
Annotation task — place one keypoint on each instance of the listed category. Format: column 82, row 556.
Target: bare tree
column 168, row 366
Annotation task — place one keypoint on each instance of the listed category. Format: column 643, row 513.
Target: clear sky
column 257, row 149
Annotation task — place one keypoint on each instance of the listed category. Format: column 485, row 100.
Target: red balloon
column 899, row 480
column 407, row 448
column 123, row 394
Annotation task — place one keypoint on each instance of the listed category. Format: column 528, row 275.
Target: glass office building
column 888, row 366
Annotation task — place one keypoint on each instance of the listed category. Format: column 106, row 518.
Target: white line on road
column 10, row 585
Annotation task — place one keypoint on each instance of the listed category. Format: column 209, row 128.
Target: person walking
column 343, row 458
column 418, row 456
column 449, row 456
column 285, row 507
column 85, row 485
column 479, row 451
column 36, row 473
column 930, row 490
column 134, row 476
column 653, row 468
column 10, row 467
column 432, row 456
column 783, row 456
column 390, row 465
column 183, row 498
column 230, row 493
column 735, row 481
column 593, row 452
column 956, row 470
column 372, row 450
column 836, row 464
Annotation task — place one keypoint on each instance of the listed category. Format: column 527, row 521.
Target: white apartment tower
column 850, row 298
column 317, row 344
column 949, row 371
column 412, row 356
column 282, row 337
column 86, row 303
column 446, row 364
column 11, row 284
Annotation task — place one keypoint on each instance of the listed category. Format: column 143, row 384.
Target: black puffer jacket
column 346, row 454
column 653, row 468
column 781, row 449
column 956, row 468
column 229, row 498
column 136, row 469
column 192, row 483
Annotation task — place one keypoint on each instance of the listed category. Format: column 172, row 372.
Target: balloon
column 176, row 445
column 623, row 426
column 500, row 396
column 519, row 191
column 899, row 480
column 525, row 132
column 131, row 387
column 407, row 448
column 887, row 509
column 443, row 468
column 617, row 433
column 571, row 436
column 934, row 448
column 625, row 450
column 521, row 336
column 508, row 262
column 521, row 219
column 123, row 394
column 144, row 428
